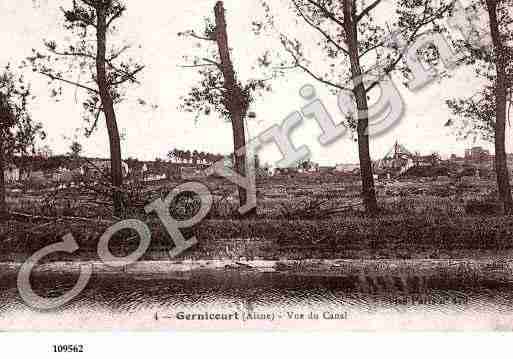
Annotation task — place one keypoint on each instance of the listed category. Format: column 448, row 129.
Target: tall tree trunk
column 368, row 191
column 3, row 202
column 234, row 100
column 108, row 110
column 501, row 166
column 5, row 112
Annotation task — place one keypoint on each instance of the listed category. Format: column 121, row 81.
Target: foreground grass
column 388, row 237
column 420, row 219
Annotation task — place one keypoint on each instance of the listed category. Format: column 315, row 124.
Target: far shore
column 493, row 268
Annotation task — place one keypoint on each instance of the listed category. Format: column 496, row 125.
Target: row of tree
column 349, row 37
column 351, row 42
column 194, row 157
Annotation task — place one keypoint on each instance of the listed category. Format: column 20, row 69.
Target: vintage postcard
column 206, row 165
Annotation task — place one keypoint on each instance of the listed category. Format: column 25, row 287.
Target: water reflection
column 117, row 295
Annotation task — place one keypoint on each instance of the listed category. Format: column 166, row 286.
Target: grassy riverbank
column 352, row 237
column 420, row 219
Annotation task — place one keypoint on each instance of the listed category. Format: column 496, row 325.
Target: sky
column 151, row 133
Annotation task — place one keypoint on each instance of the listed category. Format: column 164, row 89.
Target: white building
column 12, row 174
column 347, row 167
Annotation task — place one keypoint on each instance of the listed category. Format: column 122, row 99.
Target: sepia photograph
column 256, row 165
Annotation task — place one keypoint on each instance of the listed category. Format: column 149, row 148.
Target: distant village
column 476, row 162
column 40, row 171
column 401, row 162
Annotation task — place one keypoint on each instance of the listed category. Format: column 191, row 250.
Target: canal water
column 263, row 300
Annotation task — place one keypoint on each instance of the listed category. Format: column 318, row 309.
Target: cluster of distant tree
column 194, row 157
column 30, row 163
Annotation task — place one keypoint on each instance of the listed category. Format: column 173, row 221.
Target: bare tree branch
column 194, row 66
column 367, row 10
column 319, row 29
column 374, row 47
column 54, row 77
column 128, row 76
column 425, row 21
column 327, row 13
column 118, row 53
column 316, row 77
column 116, row 15
column 198, row 37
